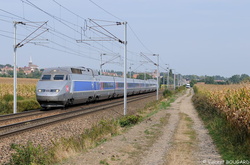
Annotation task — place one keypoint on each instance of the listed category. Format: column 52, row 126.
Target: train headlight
column 55, row 90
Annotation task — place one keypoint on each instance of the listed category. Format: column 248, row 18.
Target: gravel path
column 174, row 135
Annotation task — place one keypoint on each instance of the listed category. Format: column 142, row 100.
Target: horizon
column 192, row 37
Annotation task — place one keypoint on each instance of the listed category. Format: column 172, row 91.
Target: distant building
column 135, row 75
column 154, row 74
column 109, row 74
column 30, row 68
column 7, row 68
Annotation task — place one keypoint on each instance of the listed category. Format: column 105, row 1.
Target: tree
column 234, row 79
column 244, row 77
column 192, row 82
column 209, row 80
column 10, row 72
column 141, row 76
column 8, row 65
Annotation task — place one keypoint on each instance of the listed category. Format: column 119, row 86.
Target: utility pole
column 15, row 72
column 20, row 44
column 111, row 37
column 15, row 68
column 174, row 79
column 158, row 74
column 125, row 68
column 102, row 54
column 168, row 69
column 130, row 74
column 163, row 81
column 157, row 95
column 179, row 79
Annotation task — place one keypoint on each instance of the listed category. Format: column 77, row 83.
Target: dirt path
column 172, row 136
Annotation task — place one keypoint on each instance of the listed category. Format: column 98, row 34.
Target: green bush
column 29, row 154
column 6, row 107
column 195, row 89
column 167, row 93
column 179, row 89
column 129, row 120
column 8, row 97
column 24, row 105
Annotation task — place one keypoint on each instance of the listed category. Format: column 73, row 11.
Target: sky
column 193, row 37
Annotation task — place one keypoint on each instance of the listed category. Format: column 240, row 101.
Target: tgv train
column 64, row 86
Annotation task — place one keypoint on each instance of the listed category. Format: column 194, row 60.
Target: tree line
column 235, row 79
column 20, row 74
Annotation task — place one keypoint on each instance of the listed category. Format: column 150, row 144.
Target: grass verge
column 231, row 143
column 23, row 104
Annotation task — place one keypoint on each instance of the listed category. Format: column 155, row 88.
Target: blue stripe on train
column 83, row 86
column 89, row 85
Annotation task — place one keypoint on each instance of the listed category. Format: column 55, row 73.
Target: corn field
column 25, row 87
column 231, row 100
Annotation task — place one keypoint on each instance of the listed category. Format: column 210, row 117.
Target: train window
column 46, row 77
column 77, row 71
column 108, row 85
column 131, row 85
column 120, row 85
column 58, row 77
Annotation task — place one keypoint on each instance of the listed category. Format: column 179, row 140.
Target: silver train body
column 63, row 86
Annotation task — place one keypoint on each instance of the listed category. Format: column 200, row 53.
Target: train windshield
column 58, row 77
column 46, row 77
column 54, row 77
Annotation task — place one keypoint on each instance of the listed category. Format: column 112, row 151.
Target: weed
column 147, row 132
column 167, row 93
column 129, row 120
column 29, row 154
column 104, row 162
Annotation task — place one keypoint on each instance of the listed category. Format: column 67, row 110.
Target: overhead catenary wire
column 21, row 43
column 59, row 36
column 122, row 21
column 106, row 11
column 82, row 17
column 51, row 31
column 54, row 17
column 85, row 20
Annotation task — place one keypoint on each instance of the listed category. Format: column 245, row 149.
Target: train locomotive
column 64, row 86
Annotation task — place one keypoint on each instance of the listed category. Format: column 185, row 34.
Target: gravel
column 150, row 142
column 46, row 135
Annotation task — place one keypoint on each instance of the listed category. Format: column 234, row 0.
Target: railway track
column 18, row 117
column 19, row 127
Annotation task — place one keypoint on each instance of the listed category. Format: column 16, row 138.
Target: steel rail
column 6, row 131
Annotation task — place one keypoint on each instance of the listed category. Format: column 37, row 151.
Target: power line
column 68, row 10
column 98, row 47
column 139, row 39
column 123, row 21
column 53, row 30
column 54, row 17
column 77, row 14
column 106, row 10
column 101, row 20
